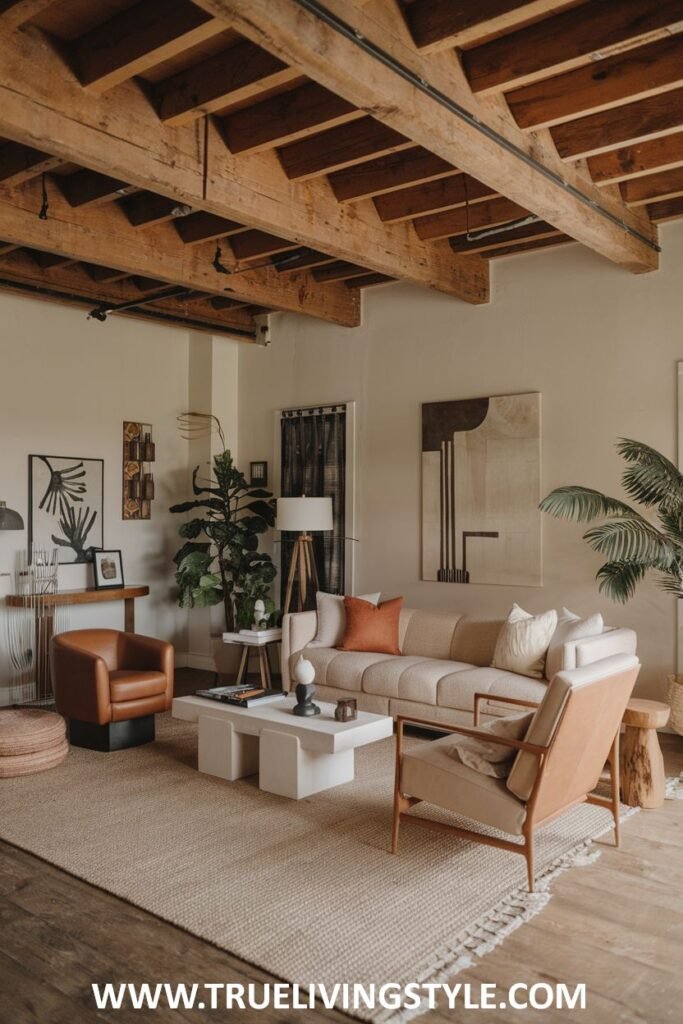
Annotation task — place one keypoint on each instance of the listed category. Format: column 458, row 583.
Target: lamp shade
column 301, row 515
column 9, row 519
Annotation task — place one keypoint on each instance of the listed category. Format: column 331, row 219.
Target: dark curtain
column 314, row 464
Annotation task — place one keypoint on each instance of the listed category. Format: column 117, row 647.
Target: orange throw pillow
column 371, row 627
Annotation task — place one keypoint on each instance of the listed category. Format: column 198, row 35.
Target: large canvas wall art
column 481, row 467
column 65, row 505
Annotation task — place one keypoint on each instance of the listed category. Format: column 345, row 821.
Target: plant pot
column 674, row 696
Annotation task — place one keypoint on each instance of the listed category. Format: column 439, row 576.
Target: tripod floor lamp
column 303, row 516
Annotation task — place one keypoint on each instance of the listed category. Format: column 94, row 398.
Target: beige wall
column 66, row 385
column 600, row 344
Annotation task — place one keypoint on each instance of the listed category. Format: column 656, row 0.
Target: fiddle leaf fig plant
column 632, row 544
column 220, row 561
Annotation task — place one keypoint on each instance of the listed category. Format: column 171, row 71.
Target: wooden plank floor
column 617, row 926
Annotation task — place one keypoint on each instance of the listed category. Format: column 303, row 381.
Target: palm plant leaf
column 618, row 580
column 651, row 478
column 633, row 540
column 583, row 504
column 671, row 581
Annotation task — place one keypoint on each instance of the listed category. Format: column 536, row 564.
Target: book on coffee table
column 242, row 696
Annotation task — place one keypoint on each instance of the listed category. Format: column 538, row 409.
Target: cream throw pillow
column 569, row 627
column 493, row 758
column 332, row 618
column 523, row 642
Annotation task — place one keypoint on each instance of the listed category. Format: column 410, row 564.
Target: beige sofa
column 446, row 659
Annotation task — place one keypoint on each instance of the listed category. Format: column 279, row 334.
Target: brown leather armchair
column 109, row 685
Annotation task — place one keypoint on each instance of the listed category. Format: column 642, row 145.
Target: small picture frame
column 108, row 568
column 259, row 474
column 346, row 710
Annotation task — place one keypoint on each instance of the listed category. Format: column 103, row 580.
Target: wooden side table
column 641, row 762
column 260, row 645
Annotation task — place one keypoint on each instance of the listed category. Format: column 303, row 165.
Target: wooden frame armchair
column 558, row 765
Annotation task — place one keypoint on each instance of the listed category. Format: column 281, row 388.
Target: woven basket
column 674, row 696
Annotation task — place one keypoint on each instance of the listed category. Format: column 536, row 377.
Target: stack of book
column 245, row 696
column 274, row 633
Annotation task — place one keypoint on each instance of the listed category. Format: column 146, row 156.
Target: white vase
column 259, row 614
column 304, row 672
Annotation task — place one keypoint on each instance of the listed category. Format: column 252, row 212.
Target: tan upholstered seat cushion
column 474, row 640
column 134, row 685
column 409, row 678
column 457, row 690
column 320, row 658
column 430, row 773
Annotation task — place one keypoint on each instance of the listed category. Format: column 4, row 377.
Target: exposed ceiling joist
column 87, row 188
column 230, row 77
column 387, row 173
column 120, row 135
column 481, row 215
column 641, row 158
column 504, row 239
column 339, row 56
column 337, row 148
column 653, row 187
column 568, row 40
column 19, row 163
column 13, row 13
column 159, row 253
column 434, row 197
column 440, row 24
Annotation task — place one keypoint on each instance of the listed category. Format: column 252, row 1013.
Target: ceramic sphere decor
column 304, row 675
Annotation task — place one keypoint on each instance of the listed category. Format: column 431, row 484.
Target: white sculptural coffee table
column 294, row 757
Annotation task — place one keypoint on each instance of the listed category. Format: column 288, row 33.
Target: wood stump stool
column 641, row 762
column 30, row 741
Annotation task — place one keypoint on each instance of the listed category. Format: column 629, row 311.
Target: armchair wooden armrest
column 477, row 734
column 479, row 697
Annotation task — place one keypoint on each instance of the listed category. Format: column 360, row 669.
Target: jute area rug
column 303, row 889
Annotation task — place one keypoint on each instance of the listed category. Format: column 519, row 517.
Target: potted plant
column 633, row 544
column 220, row 561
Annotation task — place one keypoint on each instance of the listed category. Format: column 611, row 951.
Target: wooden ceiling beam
column 520, row 247
column 412, row 166
column 251, row 245
column 235, row 75
column 332, row 58
column 15, row 13
column 304, row 259
column 203, row 227
column 365, row 280
column 147, row 208
column 601, row 86
column 121, row 136
column 627, row 125
column 667, row 209
column 285, row 118
column 87, row 188
column 338, row 271
column 568, row 40
column 134, row 40
column 661, row 154
column 455, row 222
column 443, row 24
column 49, row 259
column 103, row 235
column 341, row 147
column 503, row 239
column 434, row 197
column 653, row 187
column 19, row 163
column 98, row 273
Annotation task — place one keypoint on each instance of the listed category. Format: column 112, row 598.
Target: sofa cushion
column 570, row 627
column 430, row 773
column 320, row 658
column 457, row 689
column 523, row 642
column 347, row 669
column 430, row 633
column 409, row 678
column 331, row 621
column 474, row 640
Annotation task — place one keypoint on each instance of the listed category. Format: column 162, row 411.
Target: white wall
column 599, row 343
column 66, row 385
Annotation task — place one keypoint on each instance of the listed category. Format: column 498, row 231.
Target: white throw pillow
column 523, row 642
column 569, row 627
column 493, row 758
column 332, row 618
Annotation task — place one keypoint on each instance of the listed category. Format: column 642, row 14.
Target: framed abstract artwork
column 66, row 500
column 481, row 481
column 108, row 569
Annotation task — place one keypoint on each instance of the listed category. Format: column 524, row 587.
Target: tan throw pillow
column 569, row 627
column 523, row 642
column 493, row 758
column 332, row 618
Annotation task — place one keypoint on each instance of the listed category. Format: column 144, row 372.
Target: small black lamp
column 9, row 519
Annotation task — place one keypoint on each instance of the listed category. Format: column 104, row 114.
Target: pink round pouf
column 30, row 741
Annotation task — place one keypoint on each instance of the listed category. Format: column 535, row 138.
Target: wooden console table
column 86, row 596
column 43, row 606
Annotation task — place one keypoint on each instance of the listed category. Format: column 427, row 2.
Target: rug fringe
column 515, row 910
